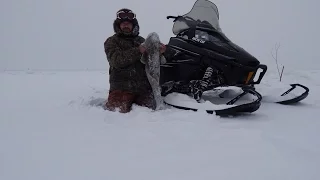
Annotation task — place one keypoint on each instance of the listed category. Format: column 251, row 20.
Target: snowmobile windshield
column 203, row 13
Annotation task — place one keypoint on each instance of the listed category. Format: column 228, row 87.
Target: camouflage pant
column 124, row 100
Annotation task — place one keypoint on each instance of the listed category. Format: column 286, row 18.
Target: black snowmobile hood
column 201, row 27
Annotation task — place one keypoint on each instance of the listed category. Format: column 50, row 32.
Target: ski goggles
column 126, row 15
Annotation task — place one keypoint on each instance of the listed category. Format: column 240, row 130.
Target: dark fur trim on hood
column 135, row 29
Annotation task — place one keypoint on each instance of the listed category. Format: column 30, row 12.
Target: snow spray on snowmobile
column 206, row 64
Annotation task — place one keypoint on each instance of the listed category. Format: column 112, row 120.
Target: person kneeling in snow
column 128, row 81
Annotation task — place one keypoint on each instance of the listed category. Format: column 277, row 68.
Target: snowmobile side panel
column 193, row 55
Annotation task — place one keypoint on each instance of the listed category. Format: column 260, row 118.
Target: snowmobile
column 205, row 65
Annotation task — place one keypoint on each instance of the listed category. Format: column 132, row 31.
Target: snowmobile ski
column 297, row 98
column 232, row 107
column 293, row 95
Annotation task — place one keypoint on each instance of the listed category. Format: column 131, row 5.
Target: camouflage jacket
column 125, row 69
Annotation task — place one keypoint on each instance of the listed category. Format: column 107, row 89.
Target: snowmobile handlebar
column 173, row 17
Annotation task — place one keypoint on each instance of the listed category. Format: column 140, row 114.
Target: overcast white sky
column 69, row 34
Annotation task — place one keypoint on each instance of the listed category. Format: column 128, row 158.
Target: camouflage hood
column 135, row 29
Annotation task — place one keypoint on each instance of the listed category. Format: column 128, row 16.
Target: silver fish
column 152, row 60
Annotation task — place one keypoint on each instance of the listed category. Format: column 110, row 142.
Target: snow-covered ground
column 50, row 129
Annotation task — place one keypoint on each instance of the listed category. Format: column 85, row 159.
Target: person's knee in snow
column 120, row 99
column 146, row 100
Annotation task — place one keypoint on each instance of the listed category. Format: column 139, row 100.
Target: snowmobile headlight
column 202, row 35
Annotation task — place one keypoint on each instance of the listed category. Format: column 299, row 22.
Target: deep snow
column 50, row 129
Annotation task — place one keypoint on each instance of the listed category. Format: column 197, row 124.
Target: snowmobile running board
column 234, row 110
column 296, row 99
